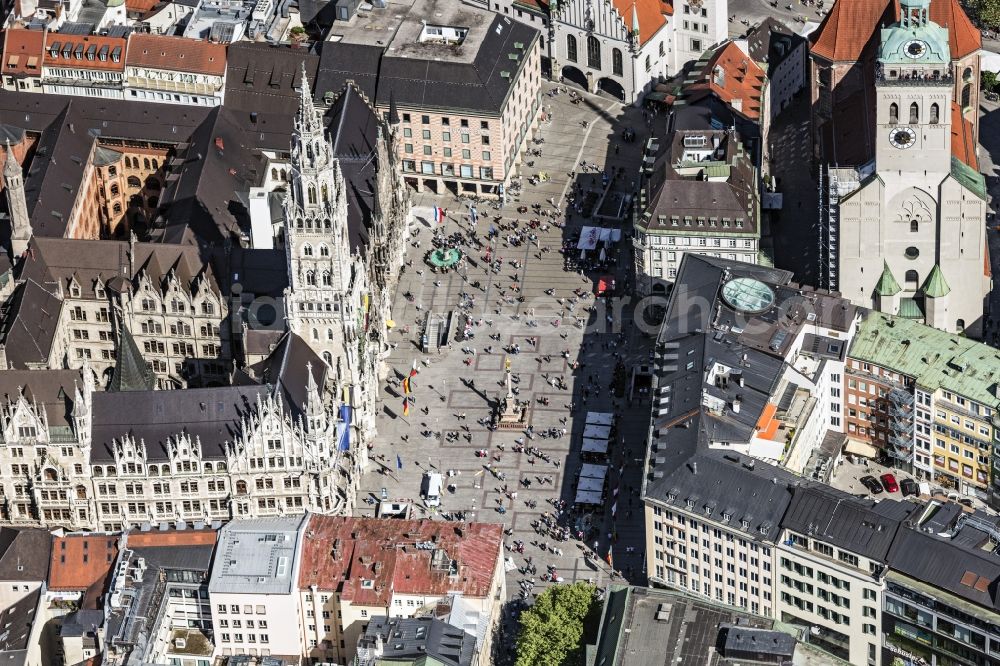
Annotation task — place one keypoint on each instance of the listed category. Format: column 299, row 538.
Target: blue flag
column 399, row 462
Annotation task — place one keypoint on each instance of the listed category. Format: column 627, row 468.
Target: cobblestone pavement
column 447, row 388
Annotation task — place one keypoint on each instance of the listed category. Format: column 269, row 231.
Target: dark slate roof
column 24, row 554
column 260, row 272
column 132, row 373
column 738, row 642
column 478, row 86
column 417, row 638
column 860, row 526
column 68, row 128
column 286, row 366
column 340, row 62
column 353, row 127
column 84, row 622
column 262, row 76
column 16, row 621
column 211, row 414
column 52, row 390
column 29, row 325
column 681, row 466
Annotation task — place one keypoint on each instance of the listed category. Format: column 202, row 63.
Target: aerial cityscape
column 515, row 333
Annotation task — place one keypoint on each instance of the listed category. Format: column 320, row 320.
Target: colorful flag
column 439, row 214
column 399, row 462
column 609, row 559
column 406, row 385
column 406, row 406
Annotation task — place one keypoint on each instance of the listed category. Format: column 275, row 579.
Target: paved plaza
column 455, row 391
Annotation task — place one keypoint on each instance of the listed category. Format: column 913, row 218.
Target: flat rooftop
column 399, row 28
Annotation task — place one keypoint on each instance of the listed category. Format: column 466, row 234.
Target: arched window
column 208, row 467
column 327, row 280
column 315, row 334
column 960, row 325
column 914, row 226
column 134, row 182
column 324, row 251
column 966, row 95
column 114, row 189
column 50, row 475
column 912, row 279
column 307, row 250
column 327, row 224
column 326, row 195
column 894, row 113
column 241, row 487
column 284, row 175
column 312, row 194
column 329, row 334
column 571, row 48
column 145, row 162
column 967, row 74
column 935, row 112
column 328, row 358
column 593, row 52
column 117, row 208
column 616, row 62
column 310, row 278
column 81, row 492
column 156, row 165
column 914, row 113
column 274, row 173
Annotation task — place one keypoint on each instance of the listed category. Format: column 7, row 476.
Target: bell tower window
column 914, row 113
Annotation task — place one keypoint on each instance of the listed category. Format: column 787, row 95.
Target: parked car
column 872, row 484
column 889, row 482
column 909, row 487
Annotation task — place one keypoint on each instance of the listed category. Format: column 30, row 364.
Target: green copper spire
column 887, row 285
column 935, row 285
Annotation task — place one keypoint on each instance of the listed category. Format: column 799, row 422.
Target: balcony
column 898, row 76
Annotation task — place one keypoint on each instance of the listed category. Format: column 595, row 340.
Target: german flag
column 406, row 406
column 406, row 385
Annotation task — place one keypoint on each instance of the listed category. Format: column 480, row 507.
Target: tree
column 989, row 81
column 988, row 12
column 552, row 628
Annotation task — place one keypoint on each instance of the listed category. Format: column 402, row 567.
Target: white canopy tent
column 597, row 431
column 600, row 418
column 592, row 445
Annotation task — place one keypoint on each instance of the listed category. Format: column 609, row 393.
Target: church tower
column 914, row 83
column 318, row 305
column 20, row 225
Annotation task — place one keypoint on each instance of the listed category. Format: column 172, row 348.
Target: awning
column 591, row 445
column 587, row 483
column 588, row 497
column 597, row 431
column 594, row 471
column 600, row 418
column 861, row 449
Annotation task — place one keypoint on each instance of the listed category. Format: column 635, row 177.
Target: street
column 531, row 297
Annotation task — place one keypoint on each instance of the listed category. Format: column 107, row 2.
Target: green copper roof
column 915, row 45
column 910, row 309
column 935, row 285
column 131, row 373
column 934, row 358
column 887, row 285
column 970, row 179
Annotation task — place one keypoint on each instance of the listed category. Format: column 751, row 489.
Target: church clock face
column 902, row 137
column 915, row 48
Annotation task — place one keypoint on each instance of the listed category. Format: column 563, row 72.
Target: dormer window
column 690, row 504
column 745, row 524
column 726, row 516
column 74, row 290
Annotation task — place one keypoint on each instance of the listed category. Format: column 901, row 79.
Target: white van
column 432, row 489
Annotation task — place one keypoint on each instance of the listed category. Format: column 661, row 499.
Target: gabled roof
column 650, row 14
column 85, row 51
column 19, row 47
column 262, row 76
column 29, row 328
column 82, row 563
column 176, row 53
column 24, row 554
column 852, row 24
column 51, row 390
column 735, row 78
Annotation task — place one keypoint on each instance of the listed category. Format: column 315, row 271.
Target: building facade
column 175, row 70
column 90, row 65
column 911, row 234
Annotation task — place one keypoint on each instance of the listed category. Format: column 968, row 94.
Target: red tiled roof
column 81, row 562
column 141, row 6
column 21, row 46
column 852, row 24
column 339, row 553
column 176, row 53
column 652, row 15
column 85, row 51
column 173, row 538
column 739, row 85
column 963, row 145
